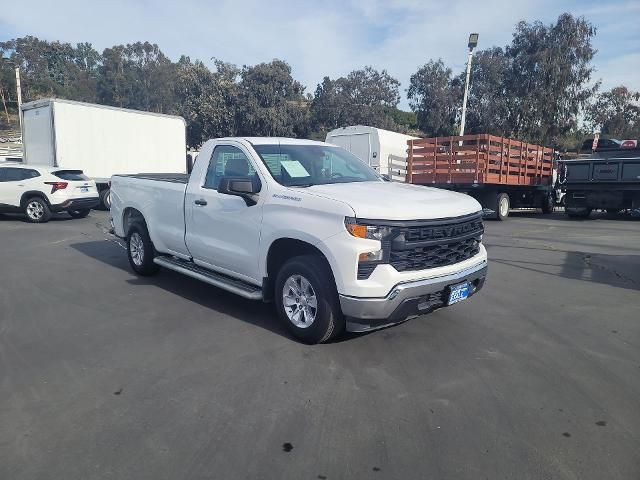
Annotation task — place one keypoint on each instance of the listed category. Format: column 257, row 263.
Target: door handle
column 200, row 202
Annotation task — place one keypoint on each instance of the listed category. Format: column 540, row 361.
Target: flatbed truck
column 501, row 173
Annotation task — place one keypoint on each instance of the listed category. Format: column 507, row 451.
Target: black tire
column 578, row 212
column 79, row 213
column 105, row 199
column 503, row 204
column 140, row 251
column 548, row 204
column 328, row 321
column 37, row 210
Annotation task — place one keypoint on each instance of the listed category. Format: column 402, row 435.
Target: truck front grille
column 435, row 243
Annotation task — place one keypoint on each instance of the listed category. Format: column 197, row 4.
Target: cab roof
column 277, row 140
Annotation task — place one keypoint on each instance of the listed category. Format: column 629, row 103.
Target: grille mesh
column 434, row 256
column 435, row 244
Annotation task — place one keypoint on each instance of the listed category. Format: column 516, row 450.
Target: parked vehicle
column 102, row 140
column 383, row 150
column 500, row 173
column 309, row 226
column 10, row 152
column 606, row 144
column 40, row 191
column 607, row 180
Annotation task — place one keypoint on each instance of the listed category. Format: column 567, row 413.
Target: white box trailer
column 102, row 140
column 383, row 150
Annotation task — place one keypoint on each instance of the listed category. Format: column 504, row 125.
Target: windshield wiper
column 303, row 185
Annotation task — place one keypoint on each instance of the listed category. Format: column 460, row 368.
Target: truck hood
column 398, row 201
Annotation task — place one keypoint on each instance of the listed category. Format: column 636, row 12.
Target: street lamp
column 19, row 95
column 473, row 43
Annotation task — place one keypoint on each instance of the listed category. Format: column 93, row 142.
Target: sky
column 330, row 37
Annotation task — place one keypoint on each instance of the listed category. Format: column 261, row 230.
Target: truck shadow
column 621, row 271
column 561, row 216
column 112, row 253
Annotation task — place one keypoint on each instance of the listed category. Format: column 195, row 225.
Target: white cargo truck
column 102, row 141
column 383, row 150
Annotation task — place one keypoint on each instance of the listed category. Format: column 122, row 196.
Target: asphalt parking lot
column 106, row 375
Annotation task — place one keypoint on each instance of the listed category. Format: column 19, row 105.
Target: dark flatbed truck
column 606, row 180
column 501, row 173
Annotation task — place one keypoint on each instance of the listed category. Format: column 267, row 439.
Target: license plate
column 84, row 189
column 457, row 293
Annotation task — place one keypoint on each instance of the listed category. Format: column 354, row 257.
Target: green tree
column 616, row 113
column 487, row 106
column 51, row 69
column 271, row 102
column 206, row 100
column 548, row 79
column 434, row 97
column 365, row 97
column 137, row 76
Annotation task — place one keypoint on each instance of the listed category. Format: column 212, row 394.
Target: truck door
column 38, row 136
column 222, row 231
column 361, row 148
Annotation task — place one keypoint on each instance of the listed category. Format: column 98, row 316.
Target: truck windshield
column 306, row 165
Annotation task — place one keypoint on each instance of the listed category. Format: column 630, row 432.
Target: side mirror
column 244, row 187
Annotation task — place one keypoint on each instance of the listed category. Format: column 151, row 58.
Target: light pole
column 19, row 92
column 473, row 42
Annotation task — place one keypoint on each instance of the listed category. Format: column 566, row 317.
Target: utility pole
column 19, row 93
column 473, row 42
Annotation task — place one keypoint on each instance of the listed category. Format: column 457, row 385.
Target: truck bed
column 478, row 159
column 161, row 197
column 607, row 169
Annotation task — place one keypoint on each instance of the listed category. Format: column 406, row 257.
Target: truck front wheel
column 548, row 204
column 307, row 300
column 140, row 251
column 502, row 206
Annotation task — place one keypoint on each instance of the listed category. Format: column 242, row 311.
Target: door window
column 17, row 174
column 227, row 161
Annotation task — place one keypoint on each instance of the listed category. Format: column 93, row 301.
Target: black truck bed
column 616, row 167
column 607, row 180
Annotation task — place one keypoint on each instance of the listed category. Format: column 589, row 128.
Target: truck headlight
column 360, row 230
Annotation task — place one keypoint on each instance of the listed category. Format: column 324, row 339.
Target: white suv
column 39, row 191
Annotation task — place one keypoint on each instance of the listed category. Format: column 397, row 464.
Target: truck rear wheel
column 105, row 199
column 503, row 205
column 140, row 251
column 307, row 300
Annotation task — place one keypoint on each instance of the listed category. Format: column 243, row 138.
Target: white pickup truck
column 309, row 226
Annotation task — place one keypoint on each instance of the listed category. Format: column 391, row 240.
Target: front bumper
column 407, row 299
column 76, row 204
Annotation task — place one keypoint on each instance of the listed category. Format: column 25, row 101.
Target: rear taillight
column 55, row 186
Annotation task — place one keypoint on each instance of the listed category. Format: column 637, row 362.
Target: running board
column 219, row 280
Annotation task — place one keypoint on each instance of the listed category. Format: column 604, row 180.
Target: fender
column 33, row 193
